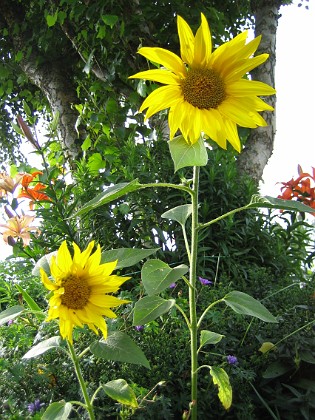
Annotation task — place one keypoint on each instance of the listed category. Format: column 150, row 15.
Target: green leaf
column 180, row 213
column 244, row 304
column 111, row 194
column 95, row 163
column 43, row 263
column 57, row 411
column 119, row 347
column 149, row 308
column 278, row 203
column 42, row 347
column 156, row 275
column 276, row 369
column 52, row 19
column 184, row 154
column 110, row 20
column 209, row 337
column 126, row 256
column 120, row 391
column 30, row 302
column 11, row 313
column 86, row 144
column 221, row 378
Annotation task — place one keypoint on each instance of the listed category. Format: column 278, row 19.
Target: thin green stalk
column 207, row 309
column 184, row 315
column 75, row 360
column 223, row 216
column 192, row 294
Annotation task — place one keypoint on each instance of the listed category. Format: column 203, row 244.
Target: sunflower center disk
column 203, row 88
column 76, row 294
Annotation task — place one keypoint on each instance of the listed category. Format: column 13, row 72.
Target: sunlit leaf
column 279, row 203
column 180, row 213
column 57, row 411
column 184, row 154
column 126, row 256
column 221, row 378
column 42, row 347
column 156, row 275
column 149, row 308
column 10, row 313
column 209, row 337
column 120, row 391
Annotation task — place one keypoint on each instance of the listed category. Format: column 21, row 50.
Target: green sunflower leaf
column 110, row 194
column 184, row 154
column 126, row 256
column 42, row 347
column 57, row 410
column 209, row 337
column 149, row 308
column 156, row 276
column 221, row 378
column 279, row 203
column 180, row 213
column 11, row 313
column 120, row 391
column 119, row 347
column 241, row 303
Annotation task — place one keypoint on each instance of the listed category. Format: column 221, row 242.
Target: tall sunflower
column 80, row 289
column 205, row 90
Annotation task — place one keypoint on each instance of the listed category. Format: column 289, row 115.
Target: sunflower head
column 82, row 289
column 207, row 92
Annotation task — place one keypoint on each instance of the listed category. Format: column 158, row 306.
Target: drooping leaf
column 11, row 313
column 180, row 213
column 120, row 391
column 221, row 378
column 244, row 304
column 279, row 203
column 149, row 308
column 57, row 411
column 156, row 275
column 184, row 154
column 209, row 337
column 111, row 194
column 30, row 302
column 119, row 347
column 43, row 263
column 42, row 347
column 126, row 256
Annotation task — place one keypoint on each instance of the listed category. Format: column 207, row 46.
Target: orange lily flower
column 33, row 193
column 19, row 227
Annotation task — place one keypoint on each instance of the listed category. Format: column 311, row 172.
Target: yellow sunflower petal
column 63, row 258
column 161, row 98
column 237, row 72
column 232, row 134
column 168, row 59
column 203, row 44
column 47, row 283
column 162, row 76
column 106, row 301
column 249, row 87
column 186, row 39
column 226, row 52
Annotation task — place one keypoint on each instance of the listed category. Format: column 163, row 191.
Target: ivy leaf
column 156, row 275
column 119, row 347
column 52, row 19
column 149, row 308
column 221, row 378
column 120, row 391
column 244, row 304
column 184, row 154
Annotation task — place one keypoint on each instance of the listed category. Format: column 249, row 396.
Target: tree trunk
column 260, row 143
column 51, row 77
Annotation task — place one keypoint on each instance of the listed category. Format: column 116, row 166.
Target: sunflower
column 80, row 289
column 205, row 90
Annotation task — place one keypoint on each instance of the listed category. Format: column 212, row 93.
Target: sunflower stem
column 192, row 294
column 76, row 364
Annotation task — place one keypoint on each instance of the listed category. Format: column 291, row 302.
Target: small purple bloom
column 139, row 327
column 172, row 285
column 232, row 360
column 10, row 322
column 35, row 406
column 205, row 282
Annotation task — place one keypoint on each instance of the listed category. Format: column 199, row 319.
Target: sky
column 295, row 109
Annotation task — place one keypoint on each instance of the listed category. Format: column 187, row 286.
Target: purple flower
column 10, row 322
column 139, row 327
column 205, row 282
column 172, row 285
column 35, row 406
column 232, row 360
